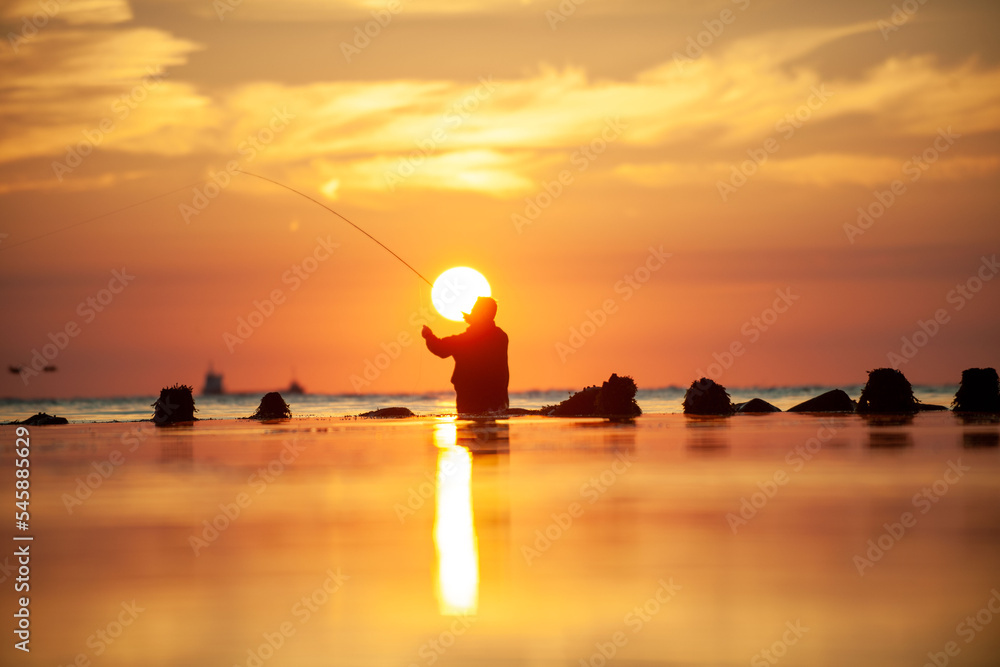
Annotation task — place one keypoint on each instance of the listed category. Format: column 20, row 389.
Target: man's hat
column 485, row 309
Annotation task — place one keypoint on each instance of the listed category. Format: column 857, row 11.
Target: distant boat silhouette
column 294, row 387
column 213, row 383
column 16, row 370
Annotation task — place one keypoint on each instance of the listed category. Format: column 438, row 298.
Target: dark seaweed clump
column 40, row 419
column 272, row 406
column 175, row 404
column 388, row 413
column 887, row 391
column 979, row 391
column 615, row 398
column 707, row 397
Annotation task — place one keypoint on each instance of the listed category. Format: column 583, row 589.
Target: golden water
column 522, row 542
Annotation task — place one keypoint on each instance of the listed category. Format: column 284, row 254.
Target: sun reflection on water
column 457, row 584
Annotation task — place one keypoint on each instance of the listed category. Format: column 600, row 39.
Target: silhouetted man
column 481, row 374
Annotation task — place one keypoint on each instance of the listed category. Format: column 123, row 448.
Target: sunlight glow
column 457, row 585
column 455, row 291
column 331, row 187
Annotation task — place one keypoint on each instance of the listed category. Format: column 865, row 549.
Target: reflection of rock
column 975, row 439
column 883, row 420
column 272, row 406
column 979, row 391
column 41, row 419
column 707, row 434
column 978, row 418
column 889, row 439
column 835, row 400
column 388, row 413
column 706, row 397
column 879, row 437
column 755, row 405
column 614, row 398
column 887, row 391
column 178, row 449
column 175, row 404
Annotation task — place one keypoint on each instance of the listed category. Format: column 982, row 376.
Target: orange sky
column 663, row 170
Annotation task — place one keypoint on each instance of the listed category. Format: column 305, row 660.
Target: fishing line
column 319, row 203
column 97, row 217
column 11, row 246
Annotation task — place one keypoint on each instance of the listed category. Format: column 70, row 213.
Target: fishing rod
column 11, row 246
column 319, row 203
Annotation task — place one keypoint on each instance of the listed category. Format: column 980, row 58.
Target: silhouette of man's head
column 484, row 310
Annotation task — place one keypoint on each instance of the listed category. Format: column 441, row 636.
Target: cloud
column 724, row 105
column 820, row 169
column 487, row 171
column 107, row 89
column 346, row 10
column 73, row 12
column 686, row 119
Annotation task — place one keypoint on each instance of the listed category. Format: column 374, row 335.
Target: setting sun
column 455, row 291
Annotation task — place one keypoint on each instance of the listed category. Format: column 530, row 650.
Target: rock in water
column 835, row 400
column 755, row 405
column 615, row 398
column 272, row 406
column 388, row 413
column 581, row 404
column 41, row 419
column 888, row 392
column 175, row 404
column 521, row 412
column 979, row 391
column 706, row 397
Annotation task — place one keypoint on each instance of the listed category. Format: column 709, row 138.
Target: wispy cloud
column 74, row 12
column 355, row 132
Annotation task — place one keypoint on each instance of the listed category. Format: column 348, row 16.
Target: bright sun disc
column 455, row 291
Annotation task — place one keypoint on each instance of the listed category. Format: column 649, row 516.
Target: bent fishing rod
column 10, row 246
column 319, row 203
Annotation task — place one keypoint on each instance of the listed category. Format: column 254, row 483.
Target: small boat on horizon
column 213, row 386
column 213, row 383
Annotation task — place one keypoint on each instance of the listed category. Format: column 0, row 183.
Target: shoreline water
column 665, row 400
column 530, row 541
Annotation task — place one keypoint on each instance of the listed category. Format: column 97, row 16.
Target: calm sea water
column 783, row 539
column 666, row 400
